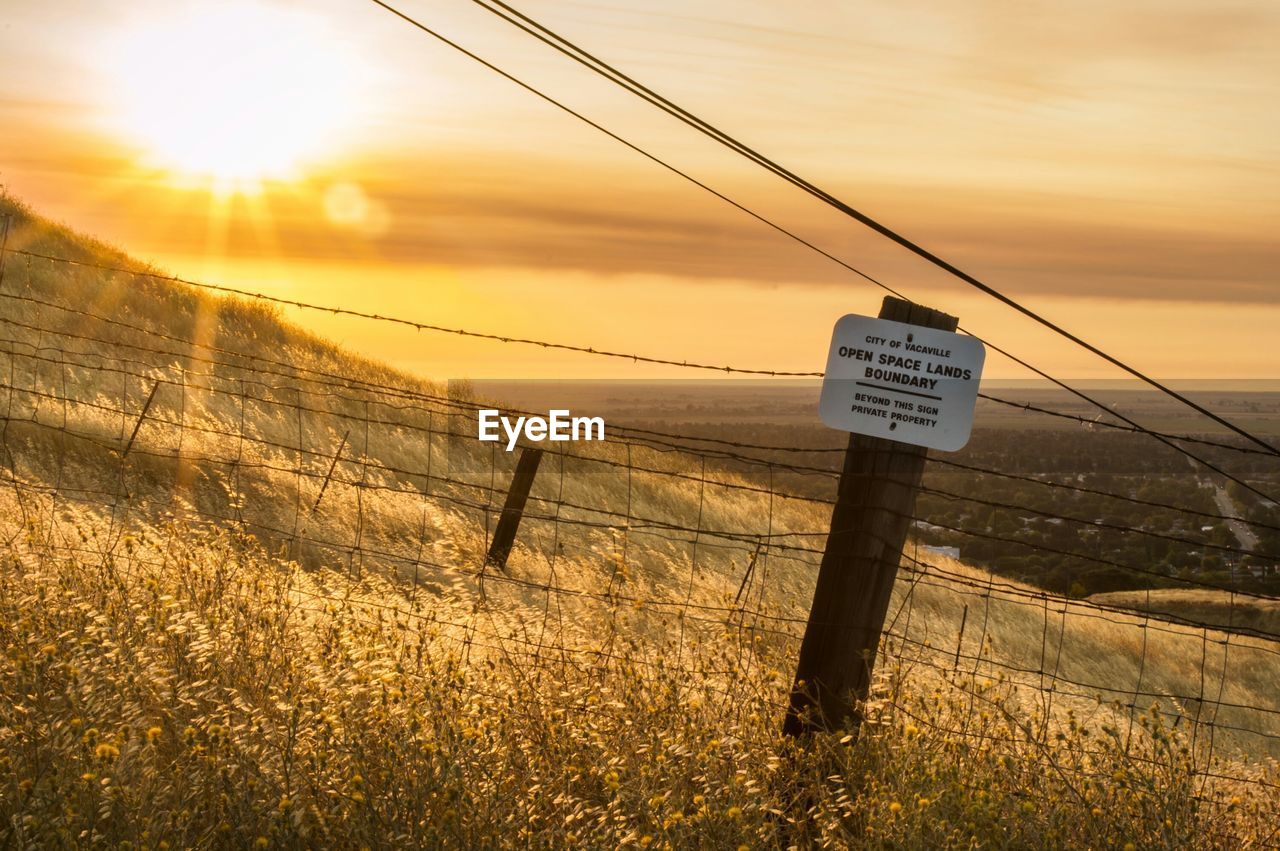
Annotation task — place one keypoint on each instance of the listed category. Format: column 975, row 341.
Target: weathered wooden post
column 513, row 509
column 869, row 524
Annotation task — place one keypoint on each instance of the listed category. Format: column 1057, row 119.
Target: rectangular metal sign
column 901, row 382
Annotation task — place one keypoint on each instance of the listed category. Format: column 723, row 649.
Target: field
column 1057, row 500
column 1253, row 404
column 244, row 602
column 1215, row 607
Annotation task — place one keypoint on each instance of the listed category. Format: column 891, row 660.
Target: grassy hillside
column 1203, row 605
column 244, row 601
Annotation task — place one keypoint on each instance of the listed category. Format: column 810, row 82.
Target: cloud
column 1095, row 149
column 1055, row 251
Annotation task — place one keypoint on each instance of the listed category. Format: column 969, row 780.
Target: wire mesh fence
column 123, row 446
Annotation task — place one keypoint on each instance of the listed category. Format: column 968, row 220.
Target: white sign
column 901, row 382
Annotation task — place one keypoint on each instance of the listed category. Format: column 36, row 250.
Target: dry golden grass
column 179, row 687
column 211, row 641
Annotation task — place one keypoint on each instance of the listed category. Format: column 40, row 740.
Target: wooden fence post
column 873, row 511
column 513, row 509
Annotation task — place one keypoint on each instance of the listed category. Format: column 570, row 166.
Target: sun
column 233, row 93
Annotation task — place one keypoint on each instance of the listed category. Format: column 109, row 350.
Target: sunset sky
column 1114, row 165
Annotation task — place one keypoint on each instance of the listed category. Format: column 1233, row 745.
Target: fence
column 654, row 548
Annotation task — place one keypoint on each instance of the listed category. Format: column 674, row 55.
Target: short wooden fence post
column 513, row 509
column 869, row 524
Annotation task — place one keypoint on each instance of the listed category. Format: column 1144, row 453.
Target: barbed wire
column 713, row 545
column 1105, row 410
column 638, row 431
